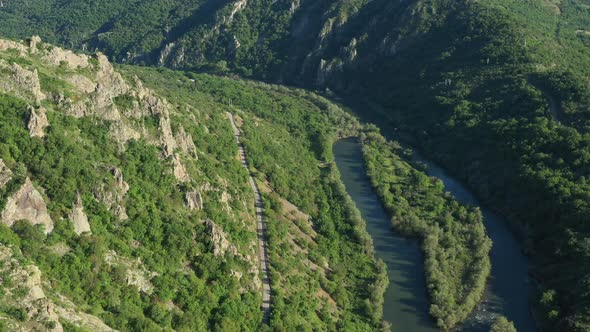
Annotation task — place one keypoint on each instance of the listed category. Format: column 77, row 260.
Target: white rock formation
column 57, row 56
column 24, row 82
column 194, row 200
column 34, row 42
column 109, row 84
column 39, row 308
column 79, row 218
column 180, row 172
column 136, row 274
column 123, row 132
column 27, row 204
column 167, row 139
column 221, row 246
column 12, row 45
column 112, row 194
column 37, row 121
column 185, row 142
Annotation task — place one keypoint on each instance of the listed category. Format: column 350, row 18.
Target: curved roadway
column 261, row 227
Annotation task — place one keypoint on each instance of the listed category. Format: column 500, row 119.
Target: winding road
column 554, row 104
column 261, row 227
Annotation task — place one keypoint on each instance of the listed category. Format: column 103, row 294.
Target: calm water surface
column 406, row 303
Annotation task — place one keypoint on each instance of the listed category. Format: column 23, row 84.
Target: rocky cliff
column 106, row 160
column 27, row 204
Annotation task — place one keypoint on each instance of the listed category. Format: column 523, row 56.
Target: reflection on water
column 406, row 303
column 509, row 285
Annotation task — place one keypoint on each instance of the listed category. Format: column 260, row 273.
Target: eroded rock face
column 12, row 45
column 76, row 109
column 237, row 7
column 165, row 54
column 82, row 83
column 81, row 319
column 122, row 133
column 79, row 218
column 112, row 194
column 27, row 81
column 5, row 174
column 180, row 172
column 221, row 246
column 109, row 84
column 33, row 283
column 194, row 200
column 136, row 274
column 56, row 56
column 185, row 143
column 167, row 139
column 34, row 42
column 37, row 121
column 27, row 204
column 39, row 308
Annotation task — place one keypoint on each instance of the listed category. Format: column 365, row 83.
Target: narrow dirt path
column 261, row 227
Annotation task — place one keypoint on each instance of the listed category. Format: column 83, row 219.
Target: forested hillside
column 496, row 91
column 124, row 205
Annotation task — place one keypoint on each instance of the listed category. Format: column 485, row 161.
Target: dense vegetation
column 191, row 288
column 476, row 101
column 471, row 106
column 288, row 136
column 162, row 237
column 453, row 237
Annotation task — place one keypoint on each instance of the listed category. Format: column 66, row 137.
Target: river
column 406, row 304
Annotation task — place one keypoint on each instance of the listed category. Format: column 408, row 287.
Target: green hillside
column 496, row 91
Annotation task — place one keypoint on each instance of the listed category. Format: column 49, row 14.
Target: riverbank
column 452, row 235
column 405, row 305
column 493, row 304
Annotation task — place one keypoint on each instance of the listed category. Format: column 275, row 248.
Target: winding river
column 406, row 304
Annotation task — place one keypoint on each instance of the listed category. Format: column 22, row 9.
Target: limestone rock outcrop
column 185, row 143
column 221, row 246
column 40, row 309
column 79, row 218
column 167, row 139
column 5, row 174
column 23, row 82
column 82, row 83
column 28, row 204
column 37, row 121
column 12, row 45
column 194, row 200
column 109, row 84
column 112, row 194
column 33, row 283
column 34, row 42
column 237, row 7
column 180, row 172
column 122, row 133
column 58, row 56
column 76, row 109
column 136, row 274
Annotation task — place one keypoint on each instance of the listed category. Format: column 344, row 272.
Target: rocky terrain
column 124, row 205
column 89, row 87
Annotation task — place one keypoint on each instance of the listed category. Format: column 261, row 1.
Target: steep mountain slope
column 466, row 81
column 128, row 207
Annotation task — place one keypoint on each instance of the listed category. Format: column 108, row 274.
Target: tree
column 502, row 324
